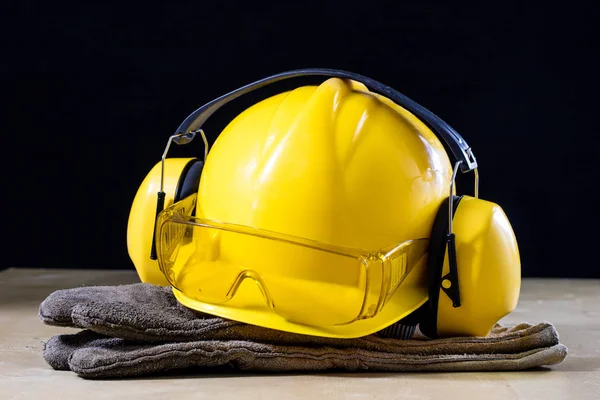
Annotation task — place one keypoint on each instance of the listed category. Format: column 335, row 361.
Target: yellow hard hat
column 316, row 212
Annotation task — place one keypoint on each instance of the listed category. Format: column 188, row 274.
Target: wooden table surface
column 573, row 306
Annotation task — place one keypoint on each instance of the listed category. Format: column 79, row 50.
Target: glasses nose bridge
column 257, row 279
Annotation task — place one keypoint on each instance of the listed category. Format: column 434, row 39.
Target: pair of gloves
column 141, row 329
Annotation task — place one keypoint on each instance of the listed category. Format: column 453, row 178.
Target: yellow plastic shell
column 332, row 163
column 489, row 273
column 140, row 225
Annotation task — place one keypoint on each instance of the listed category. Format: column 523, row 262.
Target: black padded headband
column 460, row 149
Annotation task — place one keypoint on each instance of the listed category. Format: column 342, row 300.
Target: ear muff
column 488, row 269
column 189, row 180
column 485, row 282
column 181, row 178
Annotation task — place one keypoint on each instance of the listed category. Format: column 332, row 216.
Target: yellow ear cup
column 140, row 227
column 489, row 270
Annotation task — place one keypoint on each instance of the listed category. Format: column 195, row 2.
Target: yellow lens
column 302, row 281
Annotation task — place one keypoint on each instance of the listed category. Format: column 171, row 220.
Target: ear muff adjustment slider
column 449, row 283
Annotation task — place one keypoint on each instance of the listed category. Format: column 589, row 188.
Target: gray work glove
column 141, row 329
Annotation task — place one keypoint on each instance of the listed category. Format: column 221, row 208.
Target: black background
column 92, row 91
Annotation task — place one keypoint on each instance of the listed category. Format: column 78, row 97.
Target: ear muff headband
column 457, row 145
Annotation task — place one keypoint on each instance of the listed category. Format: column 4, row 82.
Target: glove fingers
column 57, row 307
column 137, row 306
column 59, row 348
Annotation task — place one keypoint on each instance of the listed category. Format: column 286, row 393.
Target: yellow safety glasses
column 303, row 281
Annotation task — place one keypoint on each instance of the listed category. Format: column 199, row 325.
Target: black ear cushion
column 435, row 264
column 189, row 180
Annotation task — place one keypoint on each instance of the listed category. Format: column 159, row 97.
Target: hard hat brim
column 411, row 294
